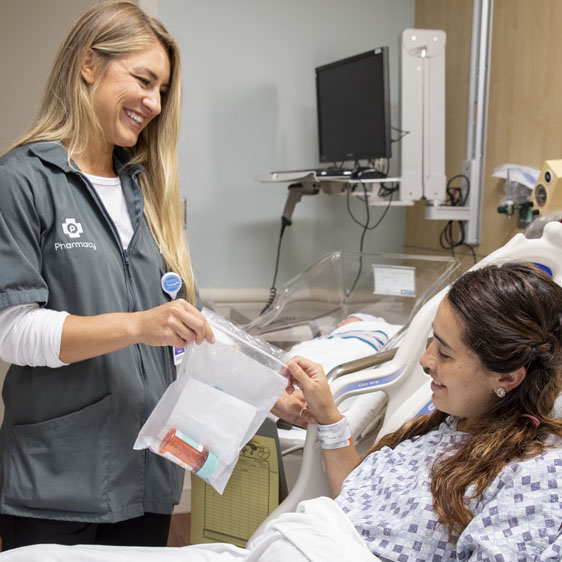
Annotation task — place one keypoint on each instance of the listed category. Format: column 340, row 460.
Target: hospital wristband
column 336, row 435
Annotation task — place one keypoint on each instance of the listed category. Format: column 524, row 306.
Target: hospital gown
column 388, row 500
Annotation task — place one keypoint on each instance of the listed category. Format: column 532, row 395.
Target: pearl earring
column 500, row 392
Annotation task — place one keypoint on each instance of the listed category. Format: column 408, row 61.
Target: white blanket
column 319, row 531
column 347, row 343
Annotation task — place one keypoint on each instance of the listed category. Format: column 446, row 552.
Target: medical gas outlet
column 525, row 213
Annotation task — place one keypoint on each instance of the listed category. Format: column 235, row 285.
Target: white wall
column 30, row 33
column 249, row 107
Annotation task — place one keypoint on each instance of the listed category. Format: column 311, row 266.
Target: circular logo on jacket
column 72, row 228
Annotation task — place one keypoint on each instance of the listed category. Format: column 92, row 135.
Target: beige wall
column 525, row 92
column 30, row 33
column 524, row 104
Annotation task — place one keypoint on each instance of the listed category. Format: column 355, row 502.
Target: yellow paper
column 250, row 495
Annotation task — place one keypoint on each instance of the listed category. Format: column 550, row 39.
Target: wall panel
column 524, row 103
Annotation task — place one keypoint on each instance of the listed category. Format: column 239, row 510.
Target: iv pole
column 473, row 166
column 478, row 111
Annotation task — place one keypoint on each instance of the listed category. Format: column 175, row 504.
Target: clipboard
column 255, row 489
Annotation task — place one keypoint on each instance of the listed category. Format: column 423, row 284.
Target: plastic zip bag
column 222, row 394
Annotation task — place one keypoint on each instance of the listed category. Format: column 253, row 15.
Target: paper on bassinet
column 222, row 394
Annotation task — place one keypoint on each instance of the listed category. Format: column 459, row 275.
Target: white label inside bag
column 179, row 353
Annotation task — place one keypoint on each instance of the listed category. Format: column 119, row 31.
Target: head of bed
column 395, row 377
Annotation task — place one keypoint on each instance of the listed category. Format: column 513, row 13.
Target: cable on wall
column 384, row 191
column 456, row 198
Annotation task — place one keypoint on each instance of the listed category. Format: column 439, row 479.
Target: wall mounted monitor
column 353, row 103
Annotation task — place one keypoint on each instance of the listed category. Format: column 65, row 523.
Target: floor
column 179, row 529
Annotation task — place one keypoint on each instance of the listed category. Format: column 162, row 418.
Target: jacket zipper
column 134, row 308
column 131, row 297
column 130, row 287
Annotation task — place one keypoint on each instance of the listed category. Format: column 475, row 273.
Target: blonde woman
column 90, row 220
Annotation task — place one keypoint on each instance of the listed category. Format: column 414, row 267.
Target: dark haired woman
column 481, row 477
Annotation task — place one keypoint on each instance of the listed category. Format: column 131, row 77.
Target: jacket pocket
column 61, row 464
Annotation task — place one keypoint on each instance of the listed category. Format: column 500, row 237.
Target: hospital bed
column 394, row 377
column 389, row 377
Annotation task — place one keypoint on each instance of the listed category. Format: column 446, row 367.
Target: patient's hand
column 310, row 378
column 292, row 407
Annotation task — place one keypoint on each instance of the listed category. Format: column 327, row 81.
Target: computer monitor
column 353, row 103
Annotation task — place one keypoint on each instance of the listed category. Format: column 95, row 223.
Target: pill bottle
column 189, row 454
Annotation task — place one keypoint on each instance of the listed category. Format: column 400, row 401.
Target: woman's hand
column 292, row 407
column 310, row 378
column 176, row 323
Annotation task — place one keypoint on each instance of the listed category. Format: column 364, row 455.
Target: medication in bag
column 236, row 378
column 187, row 453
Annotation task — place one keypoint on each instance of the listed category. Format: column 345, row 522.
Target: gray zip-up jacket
column 66, row 443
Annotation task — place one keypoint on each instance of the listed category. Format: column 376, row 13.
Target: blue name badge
column 171, row 284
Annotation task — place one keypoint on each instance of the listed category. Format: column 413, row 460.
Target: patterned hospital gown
column 517, row 518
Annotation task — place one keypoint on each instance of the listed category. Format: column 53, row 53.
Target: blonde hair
column 114, row 29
